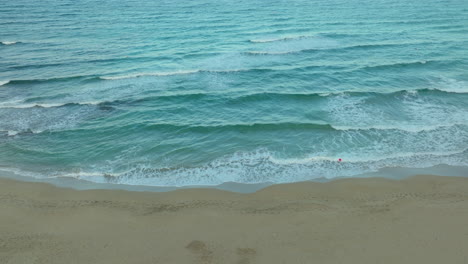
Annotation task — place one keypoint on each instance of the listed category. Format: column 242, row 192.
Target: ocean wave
column 399, row 65
column 9, row 42
column 12, row 133
column 339, row 35
column 402, row 127
column 395, row 65
column 137, row 75
column 160, row 74
column 233, row 98
column 268, row 53
column 140, row 59
column 350, row 159
column 280, row 126
column 240, row 126
column 273, row 127
column 45, row 80
column 331, row 48
column 188, row 72
column 270, row 95
column 262, row 166
column 451, row 85
column 221, row 71
column 48, row 105
column 279, row 39
column 461, row 90
column 52, row 118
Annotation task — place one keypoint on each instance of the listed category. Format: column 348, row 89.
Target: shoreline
column 420, row 219
column 396, row 173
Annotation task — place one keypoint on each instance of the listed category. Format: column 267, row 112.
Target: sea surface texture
column 175, row 93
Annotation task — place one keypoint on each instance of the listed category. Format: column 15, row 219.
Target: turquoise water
column 174, row 93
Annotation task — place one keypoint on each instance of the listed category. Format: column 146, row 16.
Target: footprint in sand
column 204, row 255
column 199, row 248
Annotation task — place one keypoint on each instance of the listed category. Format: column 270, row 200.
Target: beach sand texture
column 423, row 219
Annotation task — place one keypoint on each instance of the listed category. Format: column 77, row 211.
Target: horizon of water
column 178, row 93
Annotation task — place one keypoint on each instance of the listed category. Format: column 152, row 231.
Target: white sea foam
column 148, row 74
column 416, row 112
column 37, row 120
column 20, row 105
column 273, row 53
column 451, row 85
column 12, row 133
column 138, row 75
column 8, row 42
column 349, row 158
column 262, row 166
column 279, row 39
column 3, row 82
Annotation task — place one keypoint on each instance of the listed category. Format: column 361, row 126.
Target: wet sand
column 422, row 219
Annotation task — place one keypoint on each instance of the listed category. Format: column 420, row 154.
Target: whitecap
column 279, row 39
column 451, row 85
column 11, row 133
column 148, row 74
column 46, row 105
column 156, row 74
column 273, row 53
column 8, row 42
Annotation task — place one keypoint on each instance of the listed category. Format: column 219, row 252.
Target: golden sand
column 423, row 219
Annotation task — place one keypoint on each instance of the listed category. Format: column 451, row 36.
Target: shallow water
column 175, row 93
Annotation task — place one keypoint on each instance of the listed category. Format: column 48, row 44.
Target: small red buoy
column 339, row 160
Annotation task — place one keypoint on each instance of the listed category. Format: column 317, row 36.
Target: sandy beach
column 422, row 219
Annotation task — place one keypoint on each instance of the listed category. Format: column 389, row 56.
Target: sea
column 205, row 92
